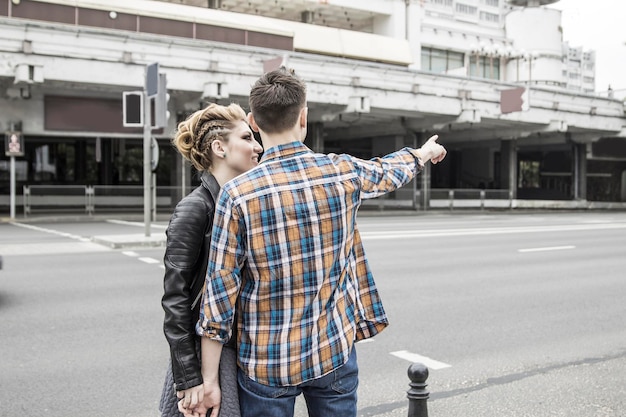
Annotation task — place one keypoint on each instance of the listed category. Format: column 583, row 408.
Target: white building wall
column 537, row 46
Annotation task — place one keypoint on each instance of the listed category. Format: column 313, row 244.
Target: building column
column 422, row 181
column 580, row 170
column 508, row 166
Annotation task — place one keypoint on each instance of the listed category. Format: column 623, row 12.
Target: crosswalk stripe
column 414, row 357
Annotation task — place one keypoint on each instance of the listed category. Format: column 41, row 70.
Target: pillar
column 508, row 166
column 580, row 171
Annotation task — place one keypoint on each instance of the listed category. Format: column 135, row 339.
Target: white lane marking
column 80, row 244
column 414, row 357
column 56, row 248
column 487, row 231
column 546, row 249
column 51, row 231
column 138, row 224
column 130, row 253
column 149, row 260
column 370, row 340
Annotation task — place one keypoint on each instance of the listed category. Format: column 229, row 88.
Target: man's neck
column 272, row 140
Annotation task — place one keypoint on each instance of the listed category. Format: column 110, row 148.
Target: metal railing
column 90, row 199
column 470, row 198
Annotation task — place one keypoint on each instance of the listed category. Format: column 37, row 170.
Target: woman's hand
column 190, row 399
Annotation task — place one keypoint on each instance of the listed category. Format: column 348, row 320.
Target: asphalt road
column 515, row 315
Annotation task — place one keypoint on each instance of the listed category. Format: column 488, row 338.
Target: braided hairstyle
column 194, row 135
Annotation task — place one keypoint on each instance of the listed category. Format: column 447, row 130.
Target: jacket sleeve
column 184, row 258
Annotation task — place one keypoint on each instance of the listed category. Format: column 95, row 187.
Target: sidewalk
column 136, row 239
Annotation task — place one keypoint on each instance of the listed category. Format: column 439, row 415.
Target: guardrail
column 92, row 198
column 470, row 198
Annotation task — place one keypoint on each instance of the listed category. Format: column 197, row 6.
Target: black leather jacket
column 186, row 256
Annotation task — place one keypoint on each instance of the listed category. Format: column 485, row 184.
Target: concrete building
column 492, row 77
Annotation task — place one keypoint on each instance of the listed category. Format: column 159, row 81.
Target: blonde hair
column 194, row 135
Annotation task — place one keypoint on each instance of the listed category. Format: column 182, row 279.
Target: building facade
column 493, row 78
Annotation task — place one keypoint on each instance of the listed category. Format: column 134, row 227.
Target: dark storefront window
column 545, row 175
column 86, row 161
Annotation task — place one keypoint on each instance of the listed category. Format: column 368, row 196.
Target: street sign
column 13, row 144
column 152, row 80
column 514, row 100
column 132, row 109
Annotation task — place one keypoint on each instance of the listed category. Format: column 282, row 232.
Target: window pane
column 455, row 60
column 438, row 61
column 426, row 59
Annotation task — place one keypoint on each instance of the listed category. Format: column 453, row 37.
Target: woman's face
column 242, row 150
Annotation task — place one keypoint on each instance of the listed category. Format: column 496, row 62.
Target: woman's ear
column 217, row 147
column 252, row 122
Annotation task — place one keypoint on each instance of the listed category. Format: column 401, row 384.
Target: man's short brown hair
column 276, row 100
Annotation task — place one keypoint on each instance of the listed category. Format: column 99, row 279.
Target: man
column 287, row 256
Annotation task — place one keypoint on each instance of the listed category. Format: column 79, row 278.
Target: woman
column 219, row 143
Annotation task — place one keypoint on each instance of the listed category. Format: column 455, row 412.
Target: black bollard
column 418, row 394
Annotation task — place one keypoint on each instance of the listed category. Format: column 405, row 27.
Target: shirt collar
column 286, row 150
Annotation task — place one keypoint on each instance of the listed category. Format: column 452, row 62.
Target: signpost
column 13, row 146
column 148, row 109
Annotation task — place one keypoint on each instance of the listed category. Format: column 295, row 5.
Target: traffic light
column 132, row 109
column 161, row 114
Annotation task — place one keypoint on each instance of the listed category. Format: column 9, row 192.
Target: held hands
column 432, row 151
column 198, row 400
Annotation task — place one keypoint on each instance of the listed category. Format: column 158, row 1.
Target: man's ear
column 252, row 122
column 304, row 114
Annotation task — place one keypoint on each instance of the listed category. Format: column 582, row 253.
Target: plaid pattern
column 286, row 248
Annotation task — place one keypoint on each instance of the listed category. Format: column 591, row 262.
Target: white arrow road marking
column 414, row 357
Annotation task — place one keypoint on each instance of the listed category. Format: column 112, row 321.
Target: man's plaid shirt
column 286, row 252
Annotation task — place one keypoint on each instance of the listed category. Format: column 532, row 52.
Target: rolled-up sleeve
column 223, row 279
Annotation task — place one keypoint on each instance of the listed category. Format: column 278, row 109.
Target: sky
column 598, row 25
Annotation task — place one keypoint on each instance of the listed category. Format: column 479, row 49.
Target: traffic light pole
column 147, row 155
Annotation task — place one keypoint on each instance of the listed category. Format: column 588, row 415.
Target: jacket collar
column 287, row 150
column 210, row 183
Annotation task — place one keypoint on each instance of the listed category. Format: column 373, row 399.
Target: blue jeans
column 333, row 395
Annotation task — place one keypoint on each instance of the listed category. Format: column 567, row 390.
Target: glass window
column 439, row 60
column 466, row 9
column 528, row 174
column 489, row 17
column 484, row 67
